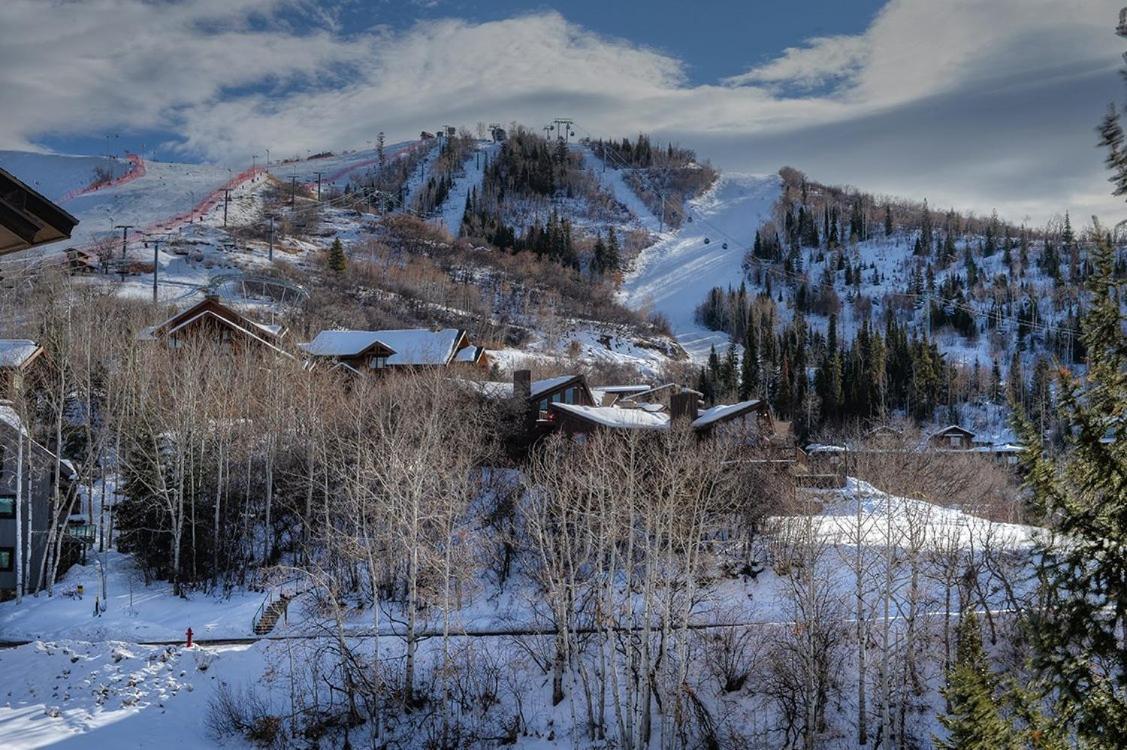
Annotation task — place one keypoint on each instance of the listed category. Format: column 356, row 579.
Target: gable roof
column 725, row 413
column 16, row 353
column 407, row 347
column 418, row 346
column 616, row 417
column 211, row 304
column 342, row 343
column 952, row 429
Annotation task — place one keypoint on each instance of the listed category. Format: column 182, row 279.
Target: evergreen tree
column 749, row 365
column 974, row 721
column 1078, row 629
column 338, row 261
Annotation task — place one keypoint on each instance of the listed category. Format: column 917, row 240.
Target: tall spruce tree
column 974, row 721
column 1082, row 566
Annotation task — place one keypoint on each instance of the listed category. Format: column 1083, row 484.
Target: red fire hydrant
column 189, row 634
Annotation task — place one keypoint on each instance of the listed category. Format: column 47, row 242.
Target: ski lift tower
column 1121, row 29
column 563, row 128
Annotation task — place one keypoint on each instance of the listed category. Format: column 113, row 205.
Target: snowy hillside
column 673, row 276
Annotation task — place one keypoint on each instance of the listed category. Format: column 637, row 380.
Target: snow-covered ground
column 133, row 611
column 86, row 680
column 673, row 276
column 116, row 694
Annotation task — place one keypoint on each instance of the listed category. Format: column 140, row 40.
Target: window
column 955, row 440
column 6, row 556
column 7, row 506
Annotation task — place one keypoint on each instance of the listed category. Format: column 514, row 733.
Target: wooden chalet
column 951, row 438
column 374, row 351
column 212, row 320
column 27, row 219
column 17, row 358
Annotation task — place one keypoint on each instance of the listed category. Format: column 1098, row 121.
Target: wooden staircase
column 275, row 610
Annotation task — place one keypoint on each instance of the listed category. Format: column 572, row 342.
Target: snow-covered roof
column 16, row 352
column 418, row 346
column 824, row 448
column 613, row 416
column 11, row 417
column 499, row 389
column 1001, row 448
column 952, row 428
column 540, row 387
column 641, row 388
column 722, row 412
column 410, row 346
column 469, row 354
column 341, row 343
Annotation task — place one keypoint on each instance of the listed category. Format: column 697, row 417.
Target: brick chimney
column 683, row 406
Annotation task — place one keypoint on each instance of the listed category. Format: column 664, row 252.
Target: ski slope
column 472, row 173
column 673, row 276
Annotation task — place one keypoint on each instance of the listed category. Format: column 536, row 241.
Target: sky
column 975, row 104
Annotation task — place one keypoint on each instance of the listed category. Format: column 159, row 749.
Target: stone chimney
column 683, row 406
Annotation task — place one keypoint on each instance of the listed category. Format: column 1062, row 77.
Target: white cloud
column 821, row 60
column 232, row 77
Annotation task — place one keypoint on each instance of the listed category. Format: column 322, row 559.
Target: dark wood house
column 212, row 320
column 27, row 486
column 389, row 349
column 951, row 438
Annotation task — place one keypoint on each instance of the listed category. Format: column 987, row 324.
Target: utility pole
column 318, row 187
column 253, row 165
column 124, row 242
column 156, row 264
column 226, row 200
column 293, row 189
column 271, row 253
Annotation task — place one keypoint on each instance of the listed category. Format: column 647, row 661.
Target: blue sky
column 978, row 104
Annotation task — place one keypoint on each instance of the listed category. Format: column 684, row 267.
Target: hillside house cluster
column 953, row 439
column 358, row 352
